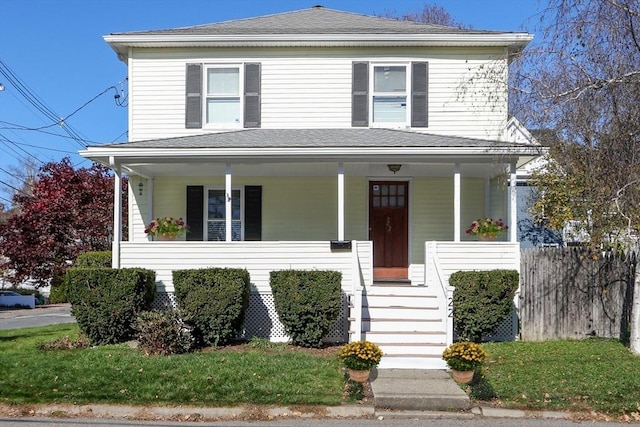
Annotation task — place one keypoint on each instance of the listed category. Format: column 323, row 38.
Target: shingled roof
column 313, row 138
column 315, row 20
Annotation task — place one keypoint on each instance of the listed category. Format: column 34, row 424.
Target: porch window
column 216, row 215
column 389, row 95
column 223, row 96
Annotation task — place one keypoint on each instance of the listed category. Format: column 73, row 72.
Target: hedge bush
column 95, row 259
column 307, row 303
column 481, row 301
column 106, row 301
column 212, row 302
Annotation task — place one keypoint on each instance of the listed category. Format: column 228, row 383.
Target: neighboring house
column 321, row 139
column 530, row 233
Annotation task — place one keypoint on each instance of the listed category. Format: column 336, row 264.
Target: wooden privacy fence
column 565, row 293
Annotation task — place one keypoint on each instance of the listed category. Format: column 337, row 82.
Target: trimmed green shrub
column 58, row 292
column 163, row 332
column 95, row 259
column 481, row 301
column 307, row 303
column 106, row 301
column 212, row 302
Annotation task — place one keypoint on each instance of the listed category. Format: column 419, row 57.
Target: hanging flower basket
column 167, row 228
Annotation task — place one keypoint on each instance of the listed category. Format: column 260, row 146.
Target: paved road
column 42, row 315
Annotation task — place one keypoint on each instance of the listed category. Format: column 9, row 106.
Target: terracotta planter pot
column 166, row 238
column 359, row 376
column 462, row 377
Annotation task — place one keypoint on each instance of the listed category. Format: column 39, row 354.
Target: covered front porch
column 412, row 324
column 388, row 209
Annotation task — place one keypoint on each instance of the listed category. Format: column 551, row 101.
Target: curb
column 257, row 412
column 186, row 413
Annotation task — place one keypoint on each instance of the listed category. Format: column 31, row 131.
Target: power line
column 5, row 140
column 7, row 200
column 38, row 146
column 15, row 126
column 48, row 112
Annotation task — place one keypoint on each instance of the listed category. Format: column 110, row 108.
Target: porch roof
column 314, row 145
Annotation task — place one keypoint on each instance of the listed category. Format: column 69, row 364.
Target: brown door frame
column 395, row 264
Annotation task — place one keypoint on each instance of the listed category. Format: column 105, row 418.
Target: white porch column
column 228, row 207
column 149, row 215
column 117, row 212
column 513, row 203
column 340, row 201
column 487, row 197
column 456, row 202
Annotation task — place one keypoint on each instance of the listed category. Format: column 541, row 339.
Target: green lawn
column 598, row 375
column 593, row 374
column 119, row 374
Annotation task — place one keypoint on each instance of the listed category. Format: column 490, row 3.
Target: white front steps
column 407, row 323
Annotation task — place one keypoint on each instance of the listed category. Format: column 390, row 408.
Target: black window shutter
column 195, row 212
column 419, row 94
column 252, row 95
column 193, row 103
column 253, row 212
column 360, row 94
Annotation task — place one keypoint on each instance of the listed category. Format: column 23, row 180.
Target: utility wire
column 47, row 111
column 5, row 140
column 15, row 126
column 7, row 200
column 24, row 144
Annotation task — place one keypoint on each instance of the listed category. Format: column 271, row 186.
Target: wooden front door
column 389, row 228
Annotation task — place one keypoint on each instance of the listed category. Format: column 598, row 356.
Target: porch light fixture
column 140, row 188
column 394, row 168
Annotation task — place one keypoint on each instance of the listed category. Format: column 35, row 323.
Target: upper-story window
column 223, row 100
column 223, row 95
column 389, row 94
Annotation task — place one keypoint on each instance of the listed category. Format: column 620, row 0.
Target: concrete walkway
column 417, row 390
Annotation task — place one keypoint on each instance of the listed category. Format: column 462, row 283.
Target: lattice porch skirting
column 261, row 319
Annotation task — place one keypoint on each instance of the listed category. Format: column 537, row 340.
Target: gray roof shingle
column 313, row 138
column 315, row 20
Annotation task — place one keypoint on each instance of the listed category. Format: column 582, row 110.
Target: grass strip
column 120, row 374
column 586, row 375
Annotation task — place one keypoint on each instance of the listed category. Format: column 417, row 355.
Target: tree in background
column 582, row 83
column 69, row 211
column 430, row 14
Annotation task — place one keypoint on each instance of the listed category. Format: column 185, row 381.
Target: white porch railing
column 259, row 258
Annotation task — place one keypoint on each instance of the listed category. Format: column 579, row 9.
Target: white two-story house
column 320, row 139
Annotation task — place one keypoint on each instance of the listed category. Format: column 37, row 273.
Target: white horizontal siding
column 312, row 88
column 468, row 256
column 259, row 258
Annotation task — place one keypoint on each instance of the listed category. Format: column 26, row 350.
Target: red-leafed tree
column 69, row 211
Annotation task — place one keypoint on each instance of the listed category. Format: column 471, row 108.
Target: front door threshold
column 393, row 273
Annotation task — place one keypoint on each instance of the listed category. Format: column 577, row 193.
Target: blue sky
column 55, row 48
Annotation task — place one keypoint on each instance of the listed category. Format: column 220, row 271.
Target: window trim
column 407, row 94
column 205, row 95
column 205, row 216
